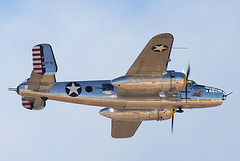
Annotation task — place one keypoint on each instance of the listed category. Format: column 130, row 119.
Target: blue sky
column 100, row 40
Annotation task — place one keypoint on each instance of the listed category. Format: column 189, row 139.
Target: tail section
column 44, row 68
column 42, row 78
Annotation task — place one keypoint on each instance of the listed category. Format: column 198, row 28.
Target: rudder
column 43, row 59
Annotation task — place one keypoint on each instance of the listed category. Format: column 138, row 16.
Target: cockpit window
column 191, row 83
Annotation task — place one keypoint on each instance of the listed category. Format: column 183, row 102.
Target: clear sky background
column 100, row 40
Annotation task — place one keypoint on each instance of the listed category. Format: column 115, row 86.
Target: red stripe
column 35, row 49
column 26, row 104
column 37, row 63
column 36, row 54
column 37, row 68
column 34, row 59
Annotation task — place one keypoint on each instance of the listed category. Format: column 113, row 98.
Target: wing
column 153, row 60
column 124, row 129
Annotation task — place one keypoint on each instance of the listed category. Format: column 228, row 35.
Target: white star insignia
column 73, row 89
column 159, row 48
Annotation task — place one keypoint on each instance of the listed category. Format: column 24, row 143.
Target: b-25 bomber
column 148, row 91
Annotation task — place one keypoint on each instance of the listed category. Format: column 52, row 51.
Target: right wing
column 124, row 129
column 153, row 60
column 44, row 68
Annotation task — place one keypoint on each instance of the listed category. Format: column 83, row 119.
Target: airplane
column 148, row 91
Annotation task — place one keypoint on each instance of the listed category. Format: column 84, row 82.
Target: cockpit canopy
column 206, row 88
column 191, row 83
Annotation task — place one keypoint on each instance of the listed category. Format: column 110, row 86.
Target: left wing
column 153, row 60
column 124, row 129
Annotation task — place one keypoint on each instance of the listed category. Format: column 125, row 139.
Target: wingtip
column 164, row 35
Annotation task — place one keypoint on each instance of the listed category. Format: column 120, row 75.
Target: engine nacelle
column 139, row 115
column 171, row 81
column 33, row 103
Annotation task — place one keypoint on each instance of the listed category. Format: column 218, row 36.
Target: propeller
column 174, row 111
column 180, row 109
column 186, row 91
column 188, row 72
column 172, row 121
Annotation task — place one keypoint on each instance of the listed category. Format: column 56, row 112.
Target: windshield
column 191, row 82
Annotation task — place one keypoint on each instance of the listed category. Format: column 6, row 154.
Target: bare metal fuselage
column 129, row 100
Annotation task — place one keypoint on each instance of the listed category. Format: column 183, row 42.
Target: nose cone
column 107, row 112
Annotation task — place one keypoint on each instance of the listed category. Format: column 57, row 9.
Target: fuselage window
column 107, row 87
column 88, row 89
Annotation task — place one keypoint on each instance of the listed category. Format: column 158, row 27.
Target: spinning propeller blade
column 188, row 72
column 174, row 111
column 172, row 121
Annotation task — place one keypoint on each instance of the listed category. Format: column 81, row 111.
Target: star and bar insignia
column 73, row 89
column 160, row 48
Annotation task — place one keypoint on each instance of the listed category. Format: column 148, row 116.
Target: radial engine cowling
column 171, row 81
column 139, row 115
column 33, row 103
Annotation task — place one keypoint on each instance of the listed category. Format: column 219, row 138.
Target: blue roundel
column 73, row 89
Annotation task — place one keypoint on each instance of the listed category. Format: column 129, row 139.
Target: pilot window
column 191, row 83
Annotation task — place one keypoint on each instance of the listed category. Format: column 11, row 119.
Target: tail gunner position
column 148, row 91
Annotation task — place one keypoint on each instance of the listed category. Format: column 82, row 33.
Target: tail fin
column 33, row 103
column 43, row 59
column 44, row 68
